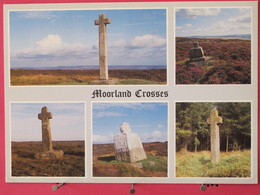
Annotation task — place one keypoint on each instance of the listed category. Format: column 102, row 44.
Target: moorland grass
column 152, row 166
column 85, row 77
column 232, row 164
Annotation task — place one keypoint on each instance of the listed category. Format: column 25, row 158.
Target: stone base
column 202, row 59
column 104, row 82
column 50, row 155
column 132, row 156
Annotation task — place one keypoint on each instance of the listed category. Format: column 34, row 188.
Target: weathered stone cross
column 214, row 120
column 45, row 117
column 102, row 21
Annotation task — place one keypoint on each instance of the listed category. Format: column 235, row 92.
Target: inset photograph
column 88, row 47
column 130, row 139
column 213, row 46
column 48, row 139
column 213, row 139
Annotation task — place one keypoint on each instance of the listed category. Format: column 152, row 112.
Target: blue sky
column 212, row 21
column 148, row 120
column 67, row 122
column 69, row 37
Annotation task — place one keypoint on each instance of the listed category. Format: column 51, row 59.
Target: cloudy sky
column 212, row 22
column 148, row 120
column 67, row 122
column 69, row 38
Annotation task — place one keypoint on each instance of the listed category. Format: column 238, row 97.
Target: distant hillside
column 96, row 67
column 237, row 36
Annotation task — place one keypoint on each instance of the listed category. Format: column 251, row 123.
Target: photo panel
column 88, row 47
column 213, row 45
column 130, row 139
column 213, row 140
column 47, row 139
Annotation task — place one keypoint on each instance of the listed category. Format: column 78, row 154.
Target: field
column 105, row 165
column 230, row 61
column 232, row 164
column 86, row 77
column 25, row 164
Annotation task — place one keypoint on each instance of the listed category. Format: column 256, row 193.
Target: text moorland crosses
column 214, row 120
column 103, row 64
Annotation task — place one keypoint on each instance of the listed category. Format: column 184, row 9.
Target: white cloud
column 154, row 136
column 193, row 13
column 52, row 47
column 132, row 106
column 108, row 114
column 120, row 43
column 53, row 51
column 38, row 15
column 240, row 19
column 147, row 41
column 160, row 126
column 97, row 139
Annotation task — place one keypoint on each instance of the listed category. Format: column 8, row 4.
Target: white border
column 177, row 93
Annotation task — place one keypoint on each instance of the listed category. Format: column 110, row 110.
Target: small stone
column 137, row 165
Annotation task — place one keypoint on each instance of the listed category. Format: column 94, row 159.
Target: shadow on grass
column 107, row 158
column 78, row 153
column 26, row 155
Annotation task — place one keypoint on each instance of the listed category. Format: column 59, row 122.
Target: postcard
column 158, row 92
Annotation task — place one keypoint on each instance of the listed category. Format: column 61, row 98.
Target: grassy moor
column 25, row 164
column 86, row 77
column 105, row 165
column 230, row 61
column 232, row 164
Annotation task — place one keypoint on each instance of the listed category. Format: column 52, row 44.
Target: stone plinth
column 128, row 145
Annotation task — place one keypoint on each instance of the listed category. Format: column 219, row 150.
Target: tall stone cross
column 45, row 117
column 103, row 65
column 214, row 120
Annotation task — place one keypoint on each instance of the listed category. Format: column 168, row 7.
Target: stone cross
column 103, row 65
column 214, row 120
column 45, row 117
column 128, row 145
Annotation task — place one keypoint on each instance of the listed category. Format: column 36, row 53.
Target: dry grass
column 85, row 77
column 232, row 164
column 25, row 164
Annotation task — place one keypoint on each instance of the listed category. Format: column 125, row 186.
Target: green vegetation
column 193, row 132
column 232, row 164
column 153, row 166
